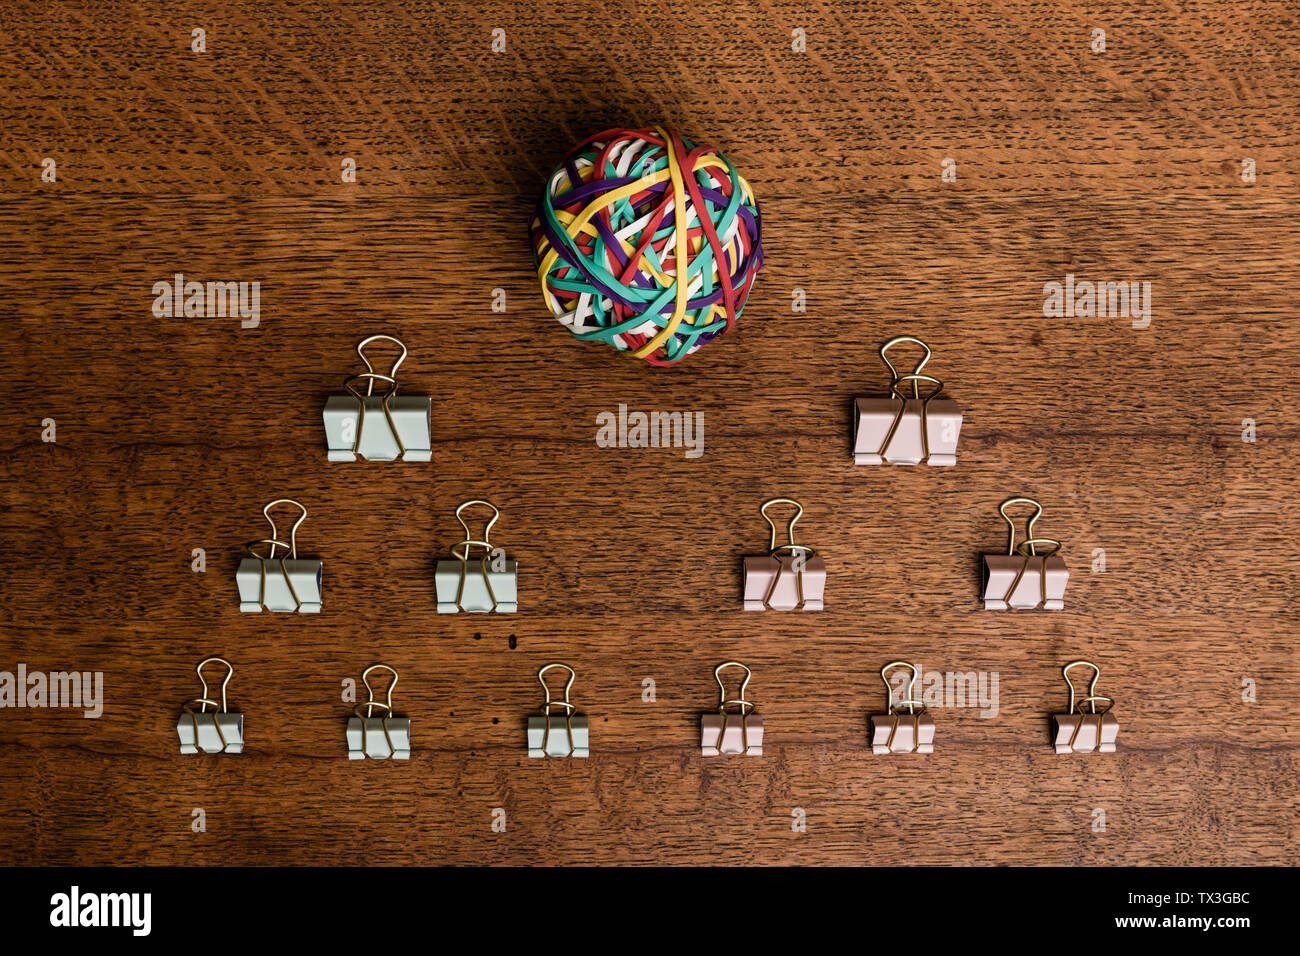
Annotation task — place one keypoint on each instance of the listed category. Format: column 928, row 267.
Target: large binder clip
column 1085, row 731
column 214, row 731
column 898, row 733
column 552, row 734
column 789, row 577
column 720, row 736
column 286, row 583
column 378, row 427
column 378, row 738
column 492, row 586
column 1025, row 577
column 903, row 428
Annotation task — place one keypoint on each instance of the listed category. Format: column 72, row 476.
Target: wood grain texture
column 172, row 433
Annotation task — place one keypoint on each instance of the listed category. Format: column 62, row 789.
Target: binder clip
column 890, row 732
column 214, row 731
column 286, row 583
column 907, row 429
column 383, row 427
column 789, row 577
column 1080, row 731
column 1026, row 576
column 493, row 586
column 553, row 734
column 718, row 735
column 378, row 738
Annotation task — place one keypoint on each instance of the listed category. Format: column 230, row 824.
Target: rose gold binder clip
column 789, row 577
column 890, row 733
column 745, row 736
column 907, row 429
column 1083, row 728
column 1032, row 574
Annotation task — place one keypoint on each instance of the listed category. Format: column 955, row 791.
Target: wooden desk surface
column 172, row 433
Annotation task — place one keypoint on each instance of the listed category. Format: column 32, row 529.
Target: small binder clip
column 891, row 733
column 718, row 735
column 214, row 731
column 492, row 586
column 1080, row 731
column 902, row 428
column 789, row 577
column 1025, row 577
column 383, row 427
column 286, row 583
column 378, row 738
column 553, row 734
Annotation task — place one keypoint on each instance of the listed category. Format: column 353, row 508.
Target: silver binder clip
column 491, row 586
column 383, row 427
column 745, row 736
column 378, row 738
column 214, row 731
column 552, row 734
column 286, row 583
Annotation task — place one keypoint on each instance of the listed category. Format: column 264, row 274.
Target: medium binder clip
column 789, row 577
column 899, row 733
column 491, row 586
column 552, row 734
column 1083, row 729
column 383, row 427
column 378, row 738
column 1026, row 576
column 720, row 736
column 214, row 731
column 902, row 428
column 286, row 583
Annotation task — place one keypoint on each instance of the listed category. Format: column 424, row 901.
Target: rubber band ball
column 647, row 242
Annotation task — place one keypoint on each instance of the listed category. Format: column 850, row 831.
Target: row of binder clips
column 790, row 576
column 911, row 424
column 477, row 577
column 374, row 730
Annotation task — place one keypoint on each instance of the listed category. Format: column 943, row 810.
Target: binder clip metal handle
column 274, row 541
column 771, row 546
column 1029, row 523
column 565, row 705
column 746, row 708
column 230, row 672
column 1092, row 684
column 371, row 703
column 392, row 371
column 916, row 370
column 461, row 550
column 906, row 700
